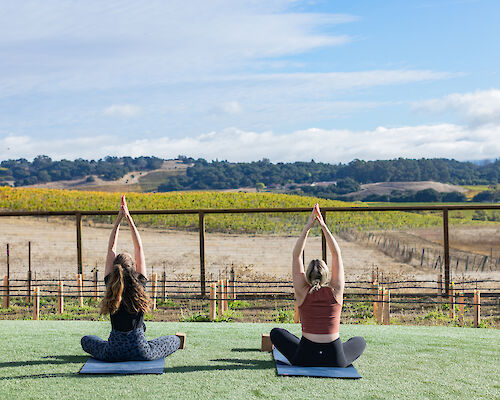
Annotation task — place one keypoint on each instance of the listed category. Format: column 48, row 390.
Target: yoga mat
column 284, row 368
column 93, row 366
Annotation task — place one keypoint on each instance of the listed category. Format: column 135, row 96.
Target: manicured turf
column 41, row 359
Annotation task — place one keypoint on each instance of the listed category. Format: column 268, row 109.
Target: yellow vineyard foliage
column 63, row 200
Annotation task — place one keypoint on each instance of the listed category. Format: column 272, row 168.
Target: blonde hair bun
column 317, row 274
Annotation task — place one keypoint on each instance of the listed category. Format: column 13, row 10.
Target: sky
column 332, row 80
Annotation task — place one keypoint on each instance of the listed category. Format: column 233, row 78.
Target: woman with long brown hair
column 320, row 300
column 126, row 301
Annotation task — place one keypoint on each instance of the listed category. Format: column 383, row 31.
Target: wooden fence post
column 201, row 229
column 380, row 304
column 6, row 297
column 79, row 286
column 477, row 308
column 222, row 297
column 375, row 298
column 96, row 290
column 213, row 302
column 296, row 313
column 219, row 298
column 36, row 303
column 164, row 286
column 60, row 297
column 28, row 288
column 446, row 245
column 386, row 310
column 79, row 259
column 154, row 281
column 451, row 299
column 323, row 240
column 461, row 308
column 440, row 289
column 233, row 284
column 226, row 294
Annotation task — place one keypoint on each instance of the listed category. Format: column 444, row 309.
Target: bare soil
column 479, row 239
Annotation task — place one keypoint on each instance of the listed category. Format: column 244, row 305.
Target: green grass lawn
column 41, row 360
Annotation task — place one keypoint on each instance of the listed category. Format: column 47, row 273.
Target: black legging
column 307, row 353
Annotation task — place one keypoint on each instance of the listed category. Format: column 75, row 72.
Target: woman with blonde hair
column 126, row 302
column 320, row 304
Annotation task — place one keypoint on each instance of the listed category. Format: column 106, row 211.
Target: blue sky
column 246, row 80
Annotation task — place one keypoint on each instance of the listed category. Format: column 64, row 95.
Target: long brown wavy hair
column 124, row 287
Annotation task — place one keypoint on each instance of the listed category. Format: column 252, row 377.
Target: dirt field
column 53, row 251
column 479, row 239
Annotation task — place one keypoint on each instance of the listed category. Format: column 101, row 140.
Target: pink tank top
column 320, row 312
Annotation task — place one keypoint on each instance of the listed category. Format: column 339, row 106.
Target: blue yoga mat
column 284, row 368
column 93, row 366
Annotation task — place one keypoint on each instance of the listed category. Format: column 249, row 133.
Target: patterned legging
column 129, row 346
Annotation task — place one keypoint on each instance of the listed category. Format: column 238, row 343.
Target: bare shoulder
column 301, row 287
column 338, row 295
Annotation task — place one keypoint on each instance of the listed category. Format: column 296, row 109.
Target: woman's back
column 124, row 320
column 320, row 312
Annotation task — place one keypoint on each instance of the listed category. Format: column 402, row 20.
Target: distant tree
column 41, row 162
column 259, row 186
column 453, row 197
column 43, row 176
column 487, row 196
column 347, row 185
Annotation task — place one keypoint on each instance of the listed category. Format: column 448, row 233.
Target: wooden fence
column 385, row 297
column 201, row 225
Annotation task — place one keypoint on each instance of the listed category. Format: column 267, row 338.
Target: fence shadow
column 246, row 350
column 47, row 360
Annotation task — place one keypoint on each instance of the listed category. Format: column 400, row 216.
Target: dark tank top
column 124, row 321
column 320, row 312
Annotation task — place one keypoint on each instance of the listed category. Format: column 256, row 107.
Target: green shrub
column 239, row 304
column 229, row 315
column 284, row 316
column 194, row 317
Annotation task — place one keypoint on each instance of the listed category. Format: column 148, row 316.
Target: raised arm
column 140, row 260
column 337, row 280
column 113, row 240
column 298, row 274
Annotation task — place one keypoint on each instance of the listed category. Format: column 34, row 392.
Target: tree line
column 43, row 169
column 289, row 177
column 226, row 175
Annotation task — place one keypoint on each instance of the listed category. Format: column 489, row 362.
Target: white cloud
column 441, row 140
column 476, row 108
column 122, row 110
column 81, row 45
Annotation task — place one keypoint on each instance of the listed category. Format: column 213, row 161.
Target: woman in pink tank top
column 319, row 298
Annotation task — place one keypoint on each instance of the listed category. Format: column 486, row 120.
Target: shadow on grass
column 223, row 364
column 47, row 360
column 246, row 350
column 45, row 376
